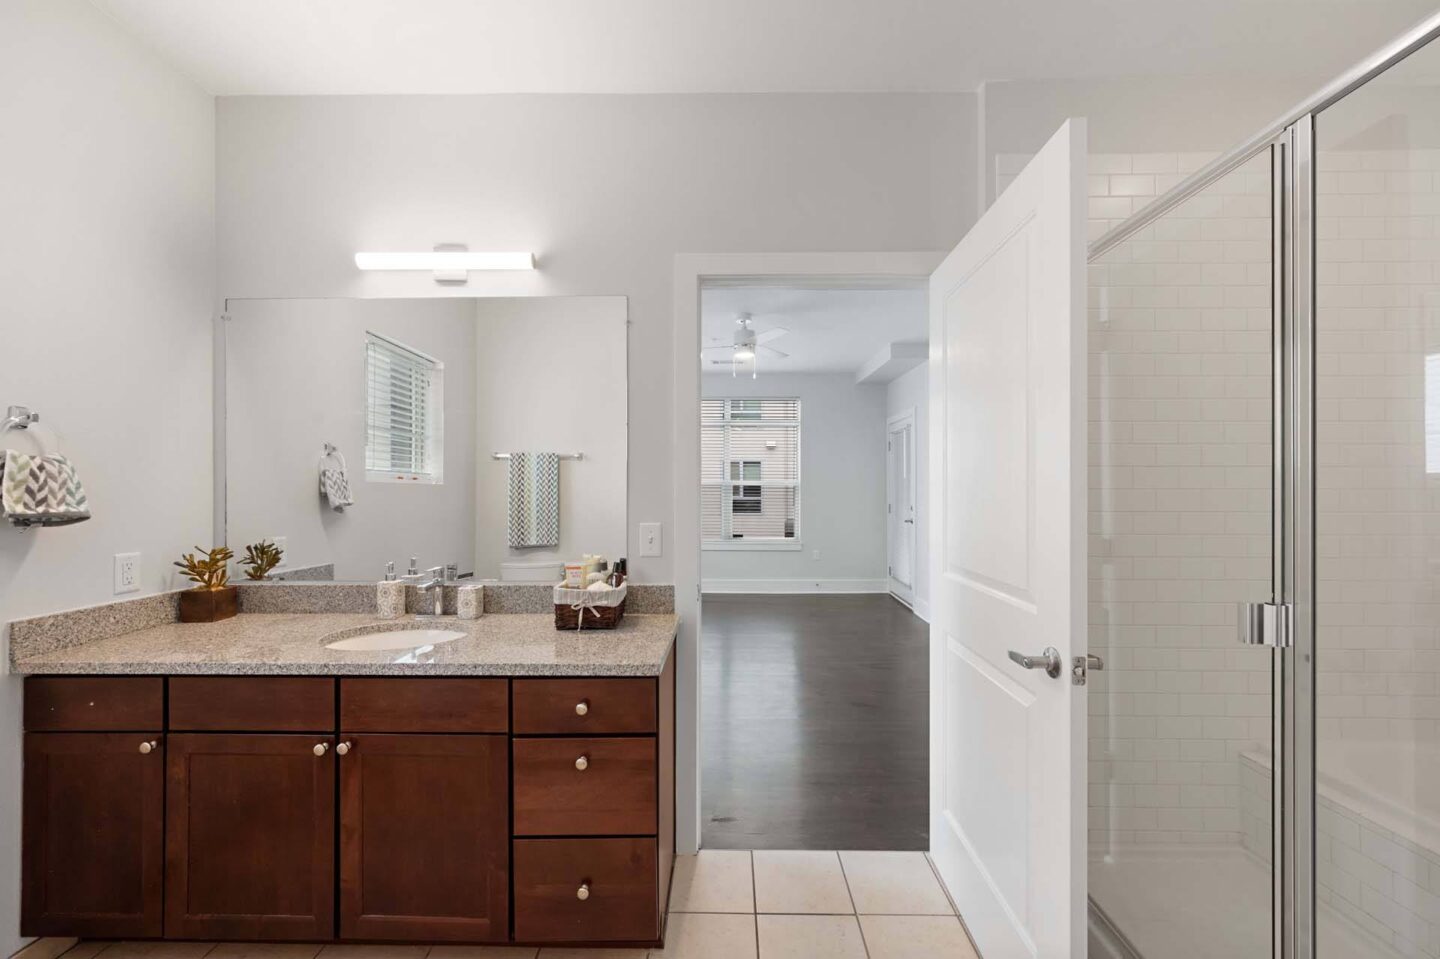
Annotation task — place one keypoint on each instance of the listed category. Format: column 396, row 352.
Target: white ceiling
column 830, row 331
column 237, row 47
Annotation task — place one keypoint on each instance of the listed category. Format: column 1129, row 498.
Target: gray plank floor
column 815, row 725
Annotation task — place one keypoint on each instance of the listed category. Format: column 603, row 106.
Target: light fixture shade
column 445, row 261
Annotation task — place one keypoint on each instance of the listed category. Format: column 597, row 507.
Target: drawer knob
column 583, row 763
column 320, row 748
column 583, row 892
column 149, row 747
column 343, row 749
column 582, row 707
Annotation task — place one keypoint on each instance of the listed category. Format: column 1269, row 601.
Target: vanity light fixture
column 451, row 263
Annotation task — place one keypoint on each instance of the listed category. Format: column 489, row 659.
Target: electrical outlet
column 127, row 573
column 650, row 544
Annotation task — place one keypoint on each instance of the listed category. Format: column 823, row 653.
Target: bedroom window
column 750, row 468
column 404, row 421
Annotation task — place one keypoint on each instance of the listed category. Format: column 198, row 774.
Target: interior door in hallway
column 900, row 505
column 1007, row 402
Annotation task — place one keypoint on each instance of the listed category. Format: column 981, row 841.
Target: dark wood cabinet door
column 250, row 837
column 93, row 847
column 424, row 837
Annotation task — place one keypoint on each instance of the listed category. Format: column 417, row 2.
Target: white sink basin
column 394, row 639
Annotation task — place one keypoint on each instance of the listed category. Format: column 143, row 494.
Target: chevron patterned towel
column 335, row 487
column 41, row 490
column 534, row 505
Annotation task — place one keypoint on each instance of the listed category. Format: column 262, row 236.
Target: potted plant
column 261, row 558
column 213, row 598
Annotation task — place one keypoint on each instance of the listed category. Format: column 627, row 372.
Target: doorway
column 901, row 492
column 814, row 671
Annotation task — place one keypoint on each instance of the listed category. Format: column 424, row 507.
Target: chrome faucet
column 435, row 589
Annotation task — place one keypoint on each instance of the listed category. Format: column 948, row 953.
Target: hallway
column 815, row 728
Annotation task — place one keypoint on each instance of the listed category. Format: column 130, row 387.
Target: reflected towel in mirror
column 534, row 500
column 335, row 480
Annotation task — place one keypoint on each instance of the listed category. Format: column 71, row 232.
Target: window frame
column 727, row 484
column 433, row 438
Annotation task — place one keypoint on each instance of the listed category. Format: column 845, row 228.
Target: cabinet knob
column 149, row 747
column 343, row 749
column 582, row 707
column 583, row 892
column 583, row 763
column 320, row 748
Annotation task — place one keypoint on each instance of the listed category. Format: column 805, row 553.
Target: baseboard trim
column 49, row 947
column 795, row 586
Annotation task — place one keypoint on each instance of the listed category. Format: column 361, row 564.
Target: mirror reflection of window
column 405, row 421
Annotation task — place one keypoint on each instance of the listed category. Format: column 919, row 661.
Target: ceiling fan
column 746, row 349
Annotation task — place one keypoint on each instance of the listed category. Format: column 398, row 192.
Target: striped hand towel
column 534, row 500
column 41, row 490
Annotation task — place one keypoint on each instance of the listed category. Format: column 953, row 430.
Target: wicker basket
column 589, row 609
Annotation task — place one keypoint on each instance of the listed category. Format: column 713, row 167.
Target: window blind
column 403, row 412
column 750, row 471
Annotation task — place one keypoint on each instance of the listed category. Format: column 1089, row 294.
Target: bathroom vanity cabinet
column 462, row 809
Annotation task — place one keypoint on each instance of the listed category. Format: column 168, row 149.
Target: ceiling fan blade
column 718, row 349
column 773, row 353
column 771, row 334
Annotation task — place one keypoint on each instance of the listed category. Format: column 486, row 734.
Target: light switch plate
column 650, row 541
column 127, row 573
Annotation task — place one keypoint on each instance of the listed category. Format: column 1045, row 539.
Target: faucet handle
column 436, row 572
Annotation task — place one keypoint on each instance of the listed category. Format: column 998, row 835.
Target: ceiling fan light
column 744, row 353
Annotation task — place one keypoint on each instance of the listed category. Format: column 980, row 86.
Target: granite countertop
column 505, row 644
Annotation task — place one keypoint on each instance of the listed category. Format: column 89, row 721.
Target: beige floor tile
column 810, row 937
column 717, row 880
column 377, row 951
column 265, row 950
column 916, row 937
column 894, row 884
column 800, row 882
column 157, row 950
column 482, row 952
column 700, row 935
column 594, row 953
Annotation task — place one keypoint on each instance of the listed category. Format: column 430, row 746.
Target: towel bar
column 563, row 456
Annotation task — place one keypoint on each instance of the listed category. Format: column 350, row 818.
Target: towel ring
column 37, row 434
column 335, row 452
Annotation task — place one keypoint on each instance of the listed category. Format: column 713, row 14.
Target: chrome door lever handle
column 1049, row 660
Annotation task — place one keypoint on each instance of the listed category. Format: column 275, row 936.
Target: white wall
column 902, row 394
column 842, row 490
column 551, row 376
column 606, row 189
column 295, row 381
column 107, row 239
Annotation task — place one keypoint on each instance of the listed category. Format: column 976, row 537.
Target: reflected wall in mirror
column 363, row 432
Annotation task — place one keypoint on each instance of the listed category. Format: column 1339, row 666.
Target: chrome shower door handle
column 1049, row 660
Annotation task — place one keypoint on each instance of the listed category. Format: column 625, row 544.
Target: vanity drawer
column 424, row 705
column 584, row 706
column 258, row 704
column 617, row 877
column 94, row 703
column 584, row 787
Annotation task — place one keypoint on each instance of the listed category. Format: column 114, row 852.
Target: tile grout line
column 863, row 944
column 755, row 904
column 948, row 898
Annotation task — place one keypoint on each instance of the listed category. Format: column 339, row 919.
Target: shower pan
column 1265, row 535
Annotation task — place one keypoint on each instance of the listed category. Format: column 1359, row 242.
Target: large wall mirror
column 489, row 434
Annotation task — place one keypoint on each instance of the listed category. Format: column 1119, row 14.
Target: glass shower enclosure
column 1265, row 534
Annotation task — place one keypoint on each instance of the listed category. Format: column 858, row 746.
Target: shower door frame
column 1290, row 140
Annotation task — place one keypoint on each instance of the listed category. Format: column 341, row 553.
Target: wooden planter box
column 209, row 605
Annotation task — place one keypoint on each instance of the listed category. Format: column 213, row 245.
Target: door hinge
column 1267, row 624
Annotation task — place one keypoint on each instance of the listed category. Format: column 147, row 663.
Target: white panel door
column 900, row 505
column 1008, row 393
